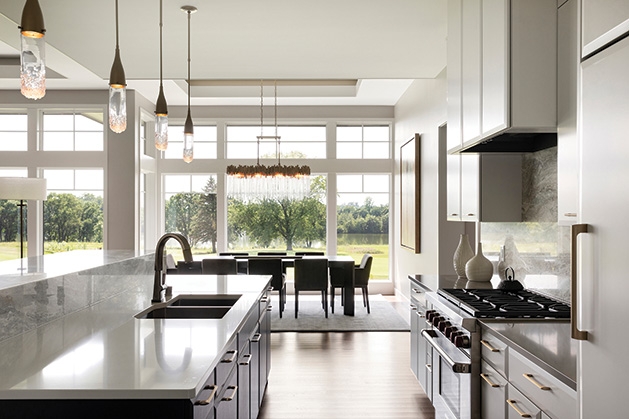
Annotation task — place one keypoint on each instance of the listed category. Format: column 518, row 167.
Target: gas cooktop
column 493, row 303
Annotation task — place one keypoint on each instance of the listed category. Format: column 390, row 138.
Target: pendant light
column 161, row 108
column 32, row 54
column 188, row 128
column 117, row 91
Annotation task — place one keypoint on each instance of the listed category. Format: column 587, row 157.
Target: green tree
column 62, row 217
column 204, row 221
column 9, row 219
column 180, row 211
column 91, row 219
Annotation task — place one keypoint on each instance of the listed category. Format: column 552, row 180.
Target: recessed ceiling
column 379, row 45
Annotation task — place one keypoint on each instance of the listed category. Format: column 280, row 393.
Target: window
column 73, row 131
column 190, row 209
column 13, row 132
column 73, row 212
column 279, row 224
column 10, row 220
column 363, row 142
column 204, row 142
column 295, row 142
column 363, row 219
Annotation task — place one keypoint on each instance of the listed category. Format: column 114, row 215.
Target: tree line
column 67, row 218
column 263, row 221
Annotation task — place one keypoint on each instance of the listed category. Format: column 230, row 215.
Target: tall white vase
column 479, row 268
column 462, row 254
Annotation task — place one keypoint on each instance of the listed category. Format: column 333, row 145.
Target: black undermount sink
column 191, row 307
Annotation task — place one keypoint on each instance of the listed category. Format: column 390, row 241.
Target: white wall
column 422, row 110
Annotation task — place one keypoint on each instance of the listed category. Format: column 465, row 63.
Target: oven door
column 451, row 378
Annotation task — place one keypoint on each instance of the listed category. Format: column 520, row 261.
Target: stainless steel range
column 452, row 337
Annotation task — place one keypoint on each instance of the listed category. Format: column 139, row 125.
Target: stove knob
column 462, row 341
column 436, row 320
column 454, row 334
column 429, row 314
column 443, row 325
column 449, row 331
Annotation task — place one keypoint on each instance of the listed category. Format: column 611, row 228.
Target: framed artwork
column 410, row 237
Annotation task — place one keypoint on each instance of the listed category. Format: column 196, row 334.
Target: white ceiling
column 330, row 52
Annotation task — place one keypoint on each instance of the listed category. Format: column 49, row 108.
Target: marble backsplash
column 538, row 245
column 27, row 306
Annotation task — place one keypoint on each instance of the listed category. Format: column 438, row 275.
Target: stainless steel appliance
column 453, row 335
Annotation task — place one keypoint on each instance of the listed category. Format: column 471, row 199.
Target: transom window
column 296, row 142
column 363, row 142
column 75, row 181
column 204, row 142
column 73, row 131
column 13, row 132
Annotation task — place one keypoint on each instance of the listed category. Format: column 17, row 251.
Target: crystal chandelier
column 276, row 181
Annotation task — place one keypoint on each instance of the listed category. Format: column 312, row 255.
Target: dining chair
column 361, row 280
column 241, row 260
column 271, row 266
column 311, row 274
column 221, row 265
column 309, row 253
column 271, row 253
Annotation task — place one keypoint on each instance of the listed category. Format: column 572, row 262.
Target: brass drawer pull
column 230, row 359
column 486, row 378
column 534, row 381
column 512, row 403
column 256, row 338
column 209, row 399
column 232, row 396
column 488, row 346
column 245, row 362
column 570, row 214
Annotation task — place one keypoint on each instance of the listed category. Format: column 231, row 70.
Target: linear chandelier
column 268, row 181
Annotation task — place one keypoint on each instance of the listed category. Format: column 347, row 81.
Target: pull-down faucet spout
column 159, row 284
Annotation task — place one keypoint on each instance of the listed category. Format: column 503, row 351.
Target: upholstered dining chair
column 311, row 274
column 221, row 265
column 271, row 266
column 271, row 253
column 241, row 260
column 361, row 280
column 309, row 253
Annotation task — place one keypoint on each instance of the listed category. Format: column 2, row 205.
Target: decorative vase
column 462, row 254
column 479, row 268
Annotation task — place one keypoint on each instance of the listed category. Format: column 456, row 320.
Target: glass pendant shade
column 32, row 53
column 188, row 139
column 117, row 108
column 161, row 132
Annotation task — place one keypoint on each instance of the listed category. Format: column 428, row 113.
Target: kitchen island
column 102, row 361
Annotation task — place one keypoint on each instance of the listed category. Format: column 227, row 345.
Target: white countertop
column 108, row 353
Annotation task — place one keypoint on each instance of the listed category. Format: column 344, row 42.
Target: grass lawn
column 11, row 250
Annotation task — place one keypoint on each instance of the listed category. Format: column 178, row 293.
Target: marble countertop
column 35, row 268
column 105, row 352
column 547, row 344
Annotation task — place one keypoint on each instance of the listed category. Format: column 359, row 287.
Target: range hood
column 511, row 142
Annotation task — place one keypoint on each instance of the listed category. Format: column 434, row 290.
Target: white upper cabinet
column 603, row 22
column 503, row 57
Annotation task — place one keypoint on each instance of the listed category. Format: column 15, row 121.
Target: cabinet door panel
column 471, row 69
column 495, row 65
column 454, row 75
column 454, row 187
column 493, row 393
column 470, row 190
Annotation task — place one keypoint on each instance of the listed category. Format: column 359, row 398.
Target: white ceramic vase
column 479, row 268
column 462, row 255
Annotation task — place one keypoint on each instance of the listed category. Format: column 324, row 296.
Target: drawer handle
column 570, row 214
column 420, row 315
column 256, row 338
column 429, row 367
column 488, row 346
column 264, row 300
column 486, row 378
column 230, row 359
column 534, row 381
column 231, row 396
column 454, row 214
column 417, row 291
column 512, row 403
column 413, row 308
column 470, row 214
column 246, row 361
column 209, row 399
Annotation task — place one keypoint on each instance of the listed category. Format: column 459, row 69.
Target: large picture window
column 363, row 142
column 72, row 131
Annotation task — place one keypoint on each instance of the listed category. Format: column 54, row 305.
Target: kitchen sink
column 192, row 307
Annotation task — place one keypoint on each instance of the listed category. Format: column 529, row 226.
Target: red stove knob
column 449, row 331
column 443, row 325
column 462, row 341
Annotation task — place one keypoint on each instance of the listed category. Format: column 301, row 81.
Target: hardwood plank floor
column 343, row 375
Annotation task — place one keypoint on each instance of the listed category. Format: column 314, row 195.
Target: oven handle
column 457, row 367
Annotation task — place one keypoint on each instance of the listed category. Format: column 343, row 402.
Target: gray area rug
column 383, row 318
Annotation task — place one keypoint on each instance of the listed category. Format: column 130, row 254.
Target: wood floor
column 343, row 375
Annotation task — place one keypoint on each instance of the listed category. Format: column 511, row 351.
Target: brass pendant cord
column 261, row 119
column 277, row 138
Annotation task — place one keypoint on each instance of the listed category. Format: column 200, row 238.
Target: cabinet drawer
column 203, row 403
column 518, row 406
column 227, row 364
column 494, row 351
column 551, row 395
column 493, row 393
